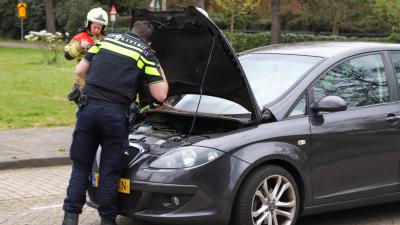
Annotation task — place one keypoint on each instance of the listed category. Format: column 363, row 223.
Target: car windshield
column 271, row 75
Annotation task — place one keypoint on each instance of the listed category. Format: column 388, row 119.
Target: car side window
column 300, row 108
column 359, row 81
column 395, row 56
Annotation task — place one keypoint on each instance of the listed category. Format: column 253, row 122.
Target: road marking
column 47, row 207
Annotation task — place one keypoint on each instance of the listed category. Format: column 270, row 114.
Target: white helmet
column 97, row 15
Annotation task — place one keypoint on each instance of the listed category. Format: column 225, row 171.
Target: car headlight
column 185, row 157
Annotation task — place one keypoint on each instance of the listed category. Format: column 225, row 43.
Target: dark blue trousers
column 104, row 125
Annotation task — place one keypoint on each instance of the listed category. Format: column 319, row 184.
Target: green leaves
column 235, row 8
column 390, row 9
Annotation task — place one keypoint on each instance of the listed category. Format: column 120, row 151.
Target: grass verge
column 32, row 93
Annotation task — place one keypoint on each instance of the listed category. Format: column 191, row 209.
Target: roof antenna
column 201, row 87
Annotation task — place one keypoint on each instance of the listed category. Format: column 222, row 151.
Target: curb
column 31, row 163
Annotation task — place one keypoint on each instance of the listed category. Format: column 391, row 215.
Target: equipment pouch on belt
column 131, row 114
column 82, row 101
column 75, row 94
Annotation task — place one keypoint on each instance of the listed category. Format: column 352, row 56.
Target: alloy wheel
column 274, row 202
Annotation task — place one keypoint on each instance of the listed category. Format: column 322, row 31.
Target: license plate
column 124, row 185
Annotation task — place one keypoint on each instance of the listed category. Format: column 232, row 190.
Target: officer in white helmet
column 95, row 25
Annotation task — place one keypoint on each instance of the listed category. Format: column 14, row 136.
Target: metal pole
column 164, row 5
column 22, row 29
column 112, row 26
column 158, row 5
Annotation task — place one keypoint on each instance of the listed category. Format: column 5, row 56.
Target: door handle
column 391, row 118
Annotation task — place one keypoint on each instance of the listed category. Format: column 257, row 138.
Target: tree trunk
column 335, row 28
column 148, row 2
column 200, row 3
column 276, row 22
column 206, row 4
column 232, row 22
column 50, row 20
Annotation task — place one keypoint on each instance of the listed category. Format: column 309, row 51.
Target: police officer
column 94, row 30
column 113, row 70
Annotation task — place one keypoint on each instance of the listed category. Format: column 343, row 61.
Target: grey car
column 264, row 136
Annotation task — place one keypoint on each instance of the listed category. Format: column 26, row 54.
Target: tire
column 252, row 206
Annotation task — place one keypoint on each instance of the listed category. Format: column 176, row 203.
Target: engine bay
column 162, row 131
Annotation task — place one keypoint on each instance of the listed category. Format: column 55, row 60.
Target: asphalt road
column 34, row 197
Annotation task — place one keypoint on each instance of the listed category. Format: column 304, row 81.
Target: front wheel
column 268, row 196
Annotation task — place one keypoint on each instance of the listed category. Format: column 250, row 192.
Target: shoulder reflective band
column 123, row 44
column 151, row 71
column 147, row 61
column 140, row 64
column 120, row 50
column 95, row 48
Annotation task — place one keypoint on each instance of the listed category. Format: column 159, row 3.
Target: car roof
column 322, row 49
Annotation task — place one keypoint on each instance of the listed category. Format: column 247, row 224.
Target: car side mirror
column 330, row 104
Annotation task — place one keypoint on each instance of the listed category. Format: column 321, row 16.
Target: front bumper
column 201, row 195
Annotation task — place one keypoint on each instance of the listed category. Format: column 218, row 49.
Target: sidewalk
column 34, row 147
column 18, row 44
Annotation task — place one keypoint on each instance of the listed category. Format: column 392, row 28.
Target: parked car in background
column 263, row 137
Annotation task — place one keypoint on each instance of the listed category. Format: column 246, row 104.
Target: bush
column 394, row 37
column 245, row 41
column 49, row 44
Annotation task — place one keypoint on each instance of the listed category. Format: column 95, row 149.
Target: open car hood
column 184, row 42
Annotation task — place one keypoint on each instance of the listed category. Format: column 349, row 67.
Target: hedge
column 245, row 41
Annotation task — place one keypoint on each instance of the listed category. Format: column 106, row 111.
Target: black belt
column 92, row 101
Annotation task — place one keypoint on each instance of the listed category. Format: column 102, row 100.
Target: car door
column 354, row 152
column 395, row 63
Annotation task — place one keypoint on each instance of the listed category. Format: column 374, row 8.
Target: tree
column 389, row 9
column 336, row 13
column 50, row 21
column 177, row 4
column 200, row 3
column 276, row 22
column 8, row 21
column 76, row 18
column 235, row 8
